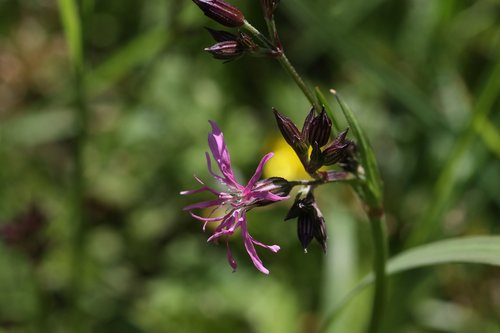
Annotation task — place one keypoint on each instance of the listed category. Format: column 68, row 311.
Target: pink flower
column 237, row 199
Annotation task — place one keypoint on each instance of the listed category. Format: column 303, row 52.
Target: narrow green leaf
column 367, row 155
column 470, row 250
column 72, row 30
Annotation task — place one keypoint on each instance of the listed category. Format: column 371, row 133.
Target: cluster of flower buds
column 312, row 144
column 231, row 46
column 310, row 221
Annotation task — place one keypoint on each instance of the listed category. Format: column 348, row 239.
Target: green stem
column 254, row 31
column 379, row 261
column 285, row 63
column 298, row 80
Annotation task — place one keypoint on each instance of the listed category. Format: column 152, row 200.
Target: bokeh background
column 423, row 77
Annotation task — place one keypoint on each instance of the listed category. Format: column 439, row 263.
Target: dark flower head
column 221, row 12
column 236, row 199
column 310, row 221
column 311, row 144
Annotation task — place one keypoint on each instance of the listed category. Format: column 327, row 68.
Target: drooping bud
column 228, row 50
column 221, row 35
column 310, row 221
column 221, row 12
column 291, row 134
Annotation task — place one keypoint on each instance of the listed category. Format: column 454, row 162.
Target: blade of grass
column 72, row 30
column 466, row 250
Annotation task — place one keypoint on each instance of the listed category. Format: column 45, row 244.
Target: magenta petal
column 258, row 171
column 274, row 248
column 204, row 204
column 221, row 154
column 251, row 250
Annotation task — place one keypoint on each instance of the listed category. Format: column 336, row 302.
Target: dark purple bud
column 310, row 221
column 221, row 12
column 320, row 231
column 221, row 35
column 319, row 129
column 349, row 161
column 337, row 149
column 228, row 50
column 305, row 230
column 291, row 134
column 307, row 125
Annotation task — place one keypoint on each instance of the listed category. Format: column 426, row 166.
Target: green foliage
column 422, row 78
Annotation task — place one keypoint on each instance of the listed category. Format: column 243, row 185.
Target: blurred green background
column 423, row 77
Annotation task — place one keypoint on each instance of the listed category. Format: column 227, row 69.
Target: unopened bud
column 319, row 129
column 275, row 185
column 228, row 50
column 221, row 12
column 337, row 149
column 290, row 133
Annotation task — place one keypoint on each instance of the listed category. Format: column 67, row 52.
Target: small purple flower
column 236, row 199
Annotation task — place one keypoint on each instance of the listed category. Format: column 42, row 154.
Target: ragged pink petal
column 258, row 171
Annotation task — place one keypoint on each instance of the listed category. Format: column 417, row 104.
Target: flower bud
column 291, row 134
column 221, row 35
column 337, row 149
column 319, row 129
column 228, row 50
column 310, row 221
column 275, row 185
column 221, row 12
